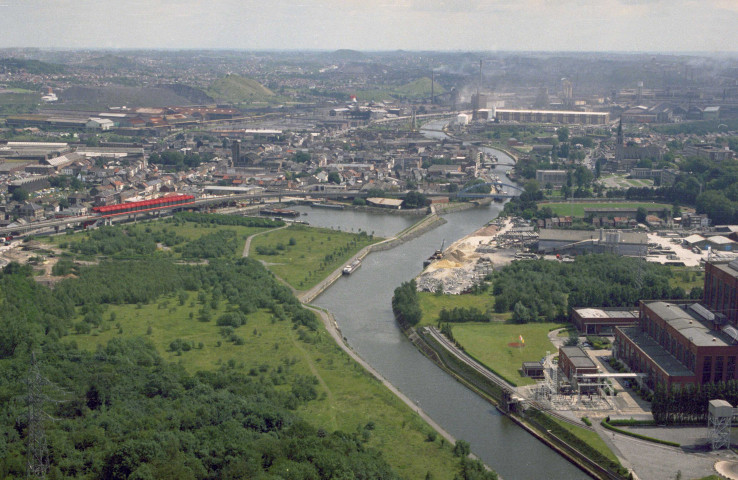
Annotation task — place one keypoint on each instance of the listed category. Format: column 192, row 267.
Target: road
column 454, row 350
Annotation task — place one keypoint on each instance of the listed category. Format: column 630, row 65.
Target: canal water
column 361, row 304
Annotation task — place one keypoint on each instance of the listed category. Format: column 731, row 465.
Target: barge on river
column 352, row 267
column 279, row 212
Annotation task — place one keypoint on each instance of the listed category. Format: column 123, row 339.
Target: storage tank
column 462, row 119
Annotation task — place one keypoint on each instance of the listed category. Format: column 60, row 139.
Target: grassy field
column 687, row 278
column 432, row 304
column 489, row 344
column 348, row 399
column 577, row 209
column 307, row 254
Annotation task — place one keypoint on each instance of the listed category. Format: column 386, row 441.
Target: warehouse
column 602, row 321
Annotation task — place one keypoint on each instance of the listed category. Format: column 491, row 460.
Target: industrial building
column 573, row 364
column 602, row 321
column 553, row 116
column 721, row 289
column 686, row 343
column 557, row 178
column 585, row 241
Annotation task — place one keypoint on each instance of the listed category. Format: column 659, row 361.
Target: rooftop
column 600, row 313
column 656, row 352
column 578, row 357
column 689, row 324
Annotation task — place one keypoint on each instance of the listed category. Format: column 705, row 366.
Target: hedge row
column 575, row 442
column 638, row 435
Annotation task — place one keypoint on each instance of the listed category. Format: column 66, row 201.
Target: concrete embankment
column 427, row 223
column 494, row 392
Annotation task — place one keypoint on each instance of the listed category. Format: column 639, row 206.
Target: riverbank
column 424, row 225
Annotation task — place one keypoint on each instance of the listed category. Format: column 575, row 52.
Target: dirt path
column 247, row 245
column 314, row 371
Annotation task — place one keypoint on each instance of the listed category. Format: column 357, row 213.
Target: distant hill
column 236, row 89
column 419, row 87
column 112, row 62
column 346, row 54
column 15, row 65
column 194, row 95
column 99, row 97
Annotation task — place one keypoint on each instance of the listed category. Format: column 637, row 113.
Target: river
column 361, row 305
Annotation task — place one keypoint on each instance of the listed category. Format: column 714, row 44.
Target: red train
column 143, row 206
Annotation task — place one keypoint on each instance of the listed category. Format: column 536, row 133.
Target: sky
column 369, row 25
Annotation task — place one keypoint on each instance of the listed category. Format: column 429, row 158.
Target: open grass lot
column 577, row 209
column 303, row 256
column 348, row 398
column 687, row 278
column 432, row 304
column 488, row 343
column 590, row 437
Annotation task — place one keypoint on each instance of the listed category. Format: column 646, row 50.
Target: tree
column 563, row 134
column 301, row 157
column 717, row 206
column 641, row 214
column 583, row 176
column 334, row 177
column 521, row 314
column 676, row 210
column 462, row 448
column 414, row 199
column 20, row 195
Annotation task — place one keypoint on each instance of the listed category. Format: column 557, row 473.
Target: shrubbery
column 405, row 304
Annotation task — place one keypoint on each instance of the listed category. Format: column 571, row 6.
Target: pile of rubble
column 453, row 277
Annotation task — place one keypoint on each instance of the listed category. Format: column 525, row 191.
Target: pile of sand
column 446, row 264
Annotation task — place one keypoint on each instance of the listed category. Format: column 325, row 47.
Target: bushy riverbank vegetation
column 162, row 369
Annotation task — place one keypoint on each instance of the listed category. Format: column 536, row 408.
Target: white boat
column 352, row 267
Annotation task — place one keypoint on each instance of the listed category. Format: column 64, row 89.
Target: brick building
column 721, row 289
column 686, row 343
column 574, row 361
column 602, row 321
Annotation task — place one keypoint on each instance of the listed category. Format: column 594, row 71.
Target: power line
column 37, row 455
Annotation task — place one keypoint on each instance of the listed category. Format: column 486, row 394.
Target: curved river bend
column 361, row 305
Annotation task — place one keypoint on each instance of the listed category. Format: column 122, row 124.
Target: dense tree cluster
column 221, row 243
column 124, row 413
column 525, row 205
column 413, row 199
column 405, row 303
column 689, row 404
column 117, row 242
column 545, row 290
column 461, row 314
column 215, row 219
column 176, row 160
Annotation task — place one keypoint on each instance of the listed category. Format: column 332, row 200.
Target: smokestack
column 475, row 115
column 433, row 81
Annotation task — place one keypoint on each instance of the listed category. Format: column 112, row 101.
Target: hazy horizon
column 575, row 26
